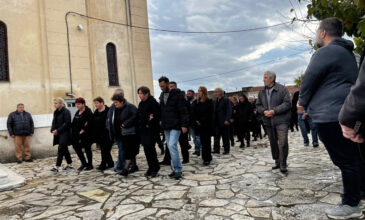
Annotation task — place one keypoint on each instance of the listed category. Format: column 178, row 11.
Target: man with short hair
column 21, row 128
column 174, row 120
column 275, row 106
column 190, row 95
column 222, row 112
column 326, row 83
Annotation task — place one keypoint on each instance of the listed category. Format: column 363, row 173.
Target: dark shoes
column 283, row 169
column 306, row 144
column 29, row 160
column 185, row 161
column 242, row 146
column 197, row 153
column 68, row 167
column 277, row 166
column 175, row 176
column 81, row 168
column 124, row 172
column 89, row 167
column 216, row 152
column 54, row 170
column 315, row 145
column 165, row 163
column 101, row 167
column 134, row 169
column 225, row 153
column 19, row 161
column 206, row 163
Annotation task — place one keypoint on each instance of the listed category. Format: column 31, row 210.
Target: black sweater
column 202, row 112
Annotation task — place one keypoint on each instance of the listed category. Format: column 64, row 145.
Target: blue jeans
column 196, row 139
column 121, row 161
column 172, row 137
column 303, row 129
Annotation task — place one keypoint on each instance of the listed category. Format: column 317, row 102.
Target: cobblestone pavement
column 237, row 186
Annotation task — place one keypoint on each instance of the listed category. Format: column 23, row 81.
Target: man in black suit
column 222, row 114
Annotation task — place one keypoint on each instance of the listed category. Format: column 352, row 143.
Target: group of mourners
column 330, row 104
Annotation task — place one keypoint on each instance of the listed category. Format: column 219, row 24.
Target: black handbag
column 128, row 131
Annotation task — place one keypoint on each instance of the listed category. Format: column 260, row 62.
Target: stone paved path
column 237, row 186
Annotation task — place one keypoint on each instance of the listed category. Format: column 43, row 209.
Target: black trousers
column 345, row 154
column 244, row 132
column 106, row 157
column 206, row 147
column 184, row 146
column 89, row 154
column 221, row 131
column 231, row 134
column 148, row 141
column 278, row 138
column 63, row 152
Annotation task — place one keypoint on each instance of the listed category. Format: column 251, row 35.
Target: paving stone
column 96, row 194
column 294, row 197
column 214, row 203
column 332, row 198
column 224, row 194
column 170, row 204
column 260, row 212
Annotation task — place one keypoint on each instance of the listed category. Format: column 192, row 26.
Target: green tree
column 350, row 12
column 298, row 80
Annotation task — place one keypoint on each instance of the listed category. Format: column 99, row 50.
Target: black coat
column 99, row 127
column 145, row 109
column 82, row 122
column 222, row 111
column 127, row 117
column 20, row 126
column 203, row 113
column 174, row 113
column 245, row 112
column 62, row 123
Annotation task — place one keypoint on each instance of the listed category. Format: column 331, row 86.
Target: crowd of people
column 325, row 106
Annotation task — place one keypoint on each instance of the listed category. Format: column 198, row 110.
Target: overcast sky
column 209, row 59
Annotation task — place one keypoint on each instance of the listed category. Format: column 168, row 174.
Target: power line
column 179, row 31
column 244, row 68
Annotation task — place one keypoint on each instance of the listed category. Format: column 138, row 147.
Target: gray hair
column 20, row 104
column 219, row 89
column 119, row 91
column 271, row 74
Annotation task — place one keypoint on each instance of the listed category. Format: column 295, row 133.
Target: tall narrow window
column 4, row 60
column 111, row 56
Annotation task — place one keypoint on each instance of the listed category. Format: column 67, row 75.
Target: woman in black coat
column 61, row 133
column 101, row 134
column 149, row 128
column 81, row 134
column 202, row 114
column 244, row 119
column 125, row 123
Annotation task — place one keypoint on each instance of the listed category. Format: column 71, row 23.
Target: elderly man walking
column 275, row 105
column 21, row 128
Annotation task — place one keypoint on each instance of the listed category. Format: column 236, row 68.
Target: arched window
column 111, row 56
column 4, row 60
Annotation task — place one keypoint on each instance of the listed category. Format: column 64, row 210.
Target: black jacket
column 127, row 116
column 353, row 110
column 99, row 128
column 174, row 113
column 222, row 111
column 328, row 79
column 20, row 126
column 280, row 103
column 62, row 123
column 244, row 112
column 82, row 122
column 145, row 109
column 203, row 112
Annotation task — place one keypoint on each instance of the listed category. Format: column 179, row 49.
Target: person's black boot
column 89, row 167
column 81, row 168
column 172, row 174
column 177, row 176
column 283, row 168
column 277, row 166
column 101, row 167
column 248, row 144
column 134, row 169
column 124, row 172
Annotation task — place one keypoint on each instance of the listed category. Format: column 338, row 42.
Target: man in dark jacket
column 149, row 128
column 222, row 114
column 275, row 106
column 190, row 95
column 61, row 130
column 21, row 128
column 244, row 119
column 326, row 83
column 174, row 120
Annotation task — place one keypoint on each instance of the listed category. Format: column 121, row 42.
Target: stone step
column 9, row 180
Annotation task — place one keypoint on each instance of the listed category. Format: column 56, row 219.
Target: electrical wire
column 244, row 68
column 179, row 31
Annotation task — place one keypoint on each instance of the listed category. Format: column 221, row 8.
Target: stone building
column 69, row 48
